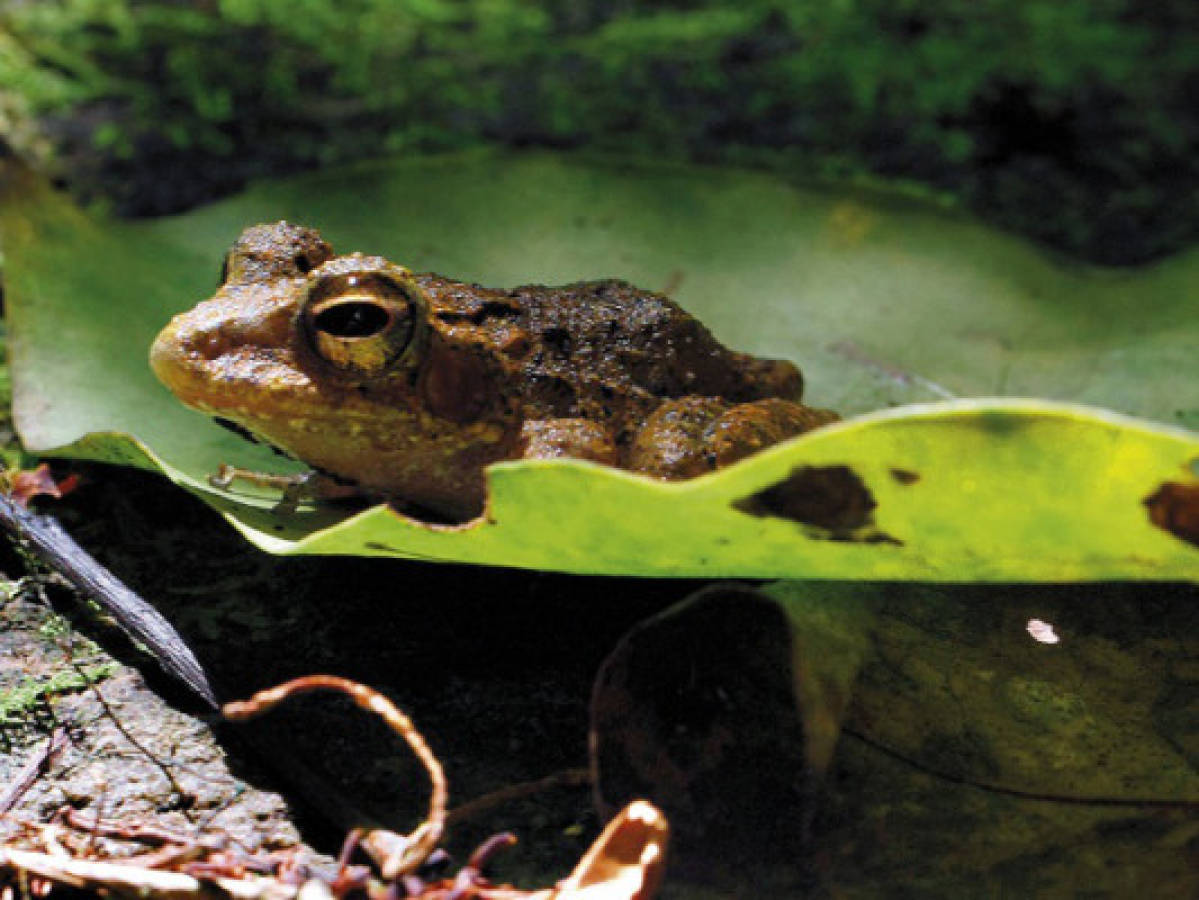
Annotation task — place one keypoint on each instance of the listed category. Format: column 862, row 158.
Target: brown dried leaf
column 39, row 482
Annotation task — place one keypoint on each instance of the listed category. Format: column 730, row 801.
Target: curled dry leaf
column 39, row 482
column 625, row 862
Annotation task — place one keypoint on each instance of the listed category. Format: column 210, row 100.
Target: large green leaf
column 882, row 302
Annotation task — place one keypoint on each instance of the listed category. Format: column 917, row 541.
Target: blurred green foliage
column 1075, row 121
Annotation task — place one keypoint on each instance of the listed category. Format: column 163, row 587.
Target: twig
column 132, row 831
column 401, row 854
column 32, row 770
column 137, row 618
column 580, row 777
column 78, row 872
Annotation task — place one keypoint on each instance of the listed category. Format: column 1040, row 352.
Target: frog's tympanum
column 406, row 385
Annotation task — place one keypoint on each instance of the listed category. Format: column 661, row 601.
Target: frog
column 405, row 386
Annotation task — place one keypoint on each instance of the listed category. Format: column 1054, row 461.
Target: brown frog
column 406, row 386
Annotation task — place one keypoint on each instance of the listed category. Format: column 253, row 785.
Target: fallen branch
column 137, row 618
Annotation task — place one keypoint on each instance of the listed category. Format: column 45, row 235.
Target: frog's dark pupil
column 352, row 320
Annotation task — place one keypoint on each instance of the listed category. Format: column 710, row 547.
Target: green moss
column 1070, row 120
column 17, row 704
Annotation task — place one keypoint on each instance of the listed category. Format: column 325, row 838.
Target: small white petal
column 1042, row 631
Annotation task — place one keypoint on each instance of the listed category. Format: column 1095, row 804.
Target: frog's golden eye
column 362, row 323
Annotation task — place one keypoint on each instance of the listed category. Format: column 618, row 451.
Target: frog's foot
column 693, row 435
column 310, row 485
column 574, row 438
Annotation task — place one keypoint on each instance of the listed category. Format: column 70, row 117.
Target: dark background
column 1075, row 122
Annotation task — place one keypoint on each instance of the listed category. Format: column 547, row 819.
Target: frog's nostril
column 209, row 345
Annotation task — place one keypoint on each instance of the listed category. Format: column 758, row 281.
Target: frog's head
column 334, row 360
column 291, row 329
column 297, row 344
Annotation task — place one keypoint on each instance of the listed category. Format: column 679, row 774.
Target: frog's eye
column 362, row 322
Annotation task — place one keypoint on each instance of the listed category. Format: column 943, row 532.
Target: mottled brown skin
column 407, row 386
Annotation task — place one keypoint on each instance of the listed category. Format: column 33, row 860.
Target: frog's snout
column 191, row 356
column 161, row 352
column 168, row 360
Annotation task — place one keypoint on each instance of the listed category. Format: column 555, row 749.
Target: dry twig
column 33, row 769
column 396, row 855
column 137, row 618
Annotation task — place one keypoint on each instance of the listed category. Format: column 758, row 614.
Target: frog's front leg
column 689, row 436
column 574, row 438
column 310, row 485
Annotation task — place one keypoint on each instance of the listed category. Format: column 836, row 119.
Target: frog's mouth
column 247, row 435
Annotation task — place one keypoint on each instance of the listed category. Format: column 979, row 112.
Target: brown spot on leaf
column 832, row 499
column 905, row 476
column 1174, row 507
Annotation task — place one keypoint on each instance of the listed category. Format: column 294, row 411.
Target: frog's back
column 609, row 338
column 613, row 333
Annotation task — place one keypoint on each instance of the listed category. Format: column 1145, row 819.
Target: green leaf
column 882, row 302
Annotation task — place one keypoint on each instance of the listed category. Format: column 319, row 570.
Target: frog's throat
column 247, row 435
